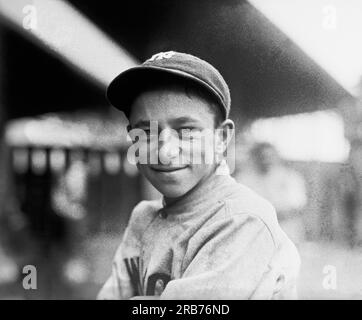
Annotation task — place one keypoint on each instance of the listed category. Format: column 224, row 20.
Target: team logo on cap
column 162, row 55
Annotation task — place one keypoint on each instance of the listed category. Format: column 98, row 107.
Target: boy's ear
column 225, row 133
column 129, row 133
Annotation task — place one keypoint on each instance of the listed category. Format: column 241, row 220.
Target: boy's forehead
column 168, row 103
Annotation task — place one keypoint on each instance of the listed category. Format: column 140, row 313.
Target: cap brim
column 125, row 87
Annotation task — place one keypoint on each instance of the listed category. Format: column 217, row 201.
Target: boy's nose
column 169, row 146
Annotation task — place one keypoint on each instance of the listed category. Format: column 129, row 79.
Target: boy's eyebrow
column 176, row 121
column 185, row 119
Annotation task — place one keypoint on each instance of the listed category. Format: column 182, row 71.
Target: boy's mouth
column 159, row 168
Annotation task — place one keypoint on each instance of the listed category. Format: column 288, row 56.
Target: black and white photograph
column 180, row 150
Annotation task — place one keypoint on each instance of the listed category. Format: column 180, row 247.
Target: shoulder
column 246, row 203
column 247, row 206
column 142, row 215
column 145, row 211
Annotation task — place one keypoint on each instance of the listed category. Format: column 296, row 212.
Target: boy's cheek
column 203, row 155
column 189, row 153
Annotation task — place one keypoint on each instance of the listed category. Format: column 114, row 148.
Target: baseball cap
column 127, row 85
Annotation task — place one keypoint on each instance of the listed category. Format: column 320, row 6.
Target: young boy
column 209, row 237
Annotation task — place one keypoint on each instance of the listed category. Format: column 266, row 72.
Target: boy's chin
column 174, row 192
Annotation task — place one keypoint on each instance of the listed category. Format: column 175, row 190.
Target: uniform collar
column 202, row 196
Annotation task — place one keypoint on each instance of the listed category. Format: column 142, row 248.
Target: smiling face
column 174, row 111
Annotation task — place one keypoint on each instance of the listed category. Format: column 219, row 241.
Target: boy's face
column 175, row 171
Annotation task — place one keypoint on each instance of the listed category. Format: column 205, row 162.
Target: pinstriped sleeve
column 121, row 284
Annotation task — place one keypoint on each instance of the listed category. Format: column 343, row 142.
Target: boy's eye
column 188, row 132
column 150, row 134
column 147, row 131
column 186, row 129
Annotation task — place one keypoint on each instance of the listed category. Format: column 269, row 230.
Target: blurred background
column 294, row 68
